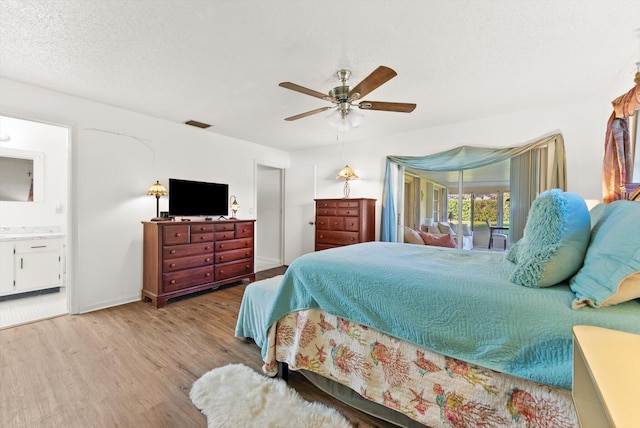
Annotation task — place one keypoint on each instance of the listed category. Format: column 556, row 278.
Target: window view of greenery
column 482, row 207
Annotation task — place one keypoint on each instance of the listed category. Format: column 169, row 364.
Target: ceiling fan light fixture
column 354, row 118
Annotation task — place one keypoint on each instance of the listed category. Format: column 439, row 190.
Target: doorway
column 269, row 217
column 43, row 217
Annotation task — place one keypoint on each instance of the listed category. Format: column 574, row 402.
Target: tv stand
column 184, row 258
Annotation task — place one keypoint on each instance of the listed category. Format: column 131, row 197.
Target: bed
column 445, row 337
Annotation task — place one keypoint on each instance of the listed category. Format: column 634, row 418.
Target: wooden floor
column 131, row 365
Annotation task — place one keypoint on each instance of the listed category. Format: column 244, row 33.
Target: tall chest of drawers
column 344, row 222
column 185, row 257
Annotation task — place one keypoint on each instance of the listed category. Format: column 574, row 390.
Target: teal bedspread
column 458, row 303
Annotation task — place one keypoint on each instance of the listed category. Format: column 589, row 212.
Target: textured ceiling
column 220, row 62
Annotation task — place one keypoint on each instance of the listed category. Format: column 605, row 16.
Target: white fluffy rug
column 236, row 396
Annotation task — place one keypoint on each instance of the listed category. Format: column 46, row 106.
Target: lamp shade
column 157, row 189
column 346, row 174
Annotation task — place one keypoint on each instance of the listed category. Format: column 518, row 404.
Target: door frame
column 281, row 167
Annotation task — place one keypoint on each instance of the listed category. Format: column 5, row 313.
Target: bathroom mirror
column 21, row 176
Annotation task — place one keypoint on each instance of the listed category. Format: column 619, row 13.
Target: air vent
column 197, row 124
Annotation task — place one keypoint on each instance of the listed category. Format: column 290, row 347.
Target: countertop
column 4, row 237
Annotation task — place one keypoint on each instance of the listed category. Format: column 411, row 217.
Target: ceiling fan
column 343, row 96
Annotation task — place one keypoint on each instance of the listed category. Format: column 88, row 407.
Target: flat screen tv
column 198, row 198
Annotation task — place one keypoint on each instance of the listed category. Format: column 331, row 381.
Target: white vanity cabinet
column 30, row 265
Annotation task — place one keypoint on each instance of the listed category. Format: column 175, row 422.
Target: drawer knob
column 172, row 252
column 221, row 245
column 172, row 265
column 353, row 239
column 221, row 258
column 203, row 228
column 173, row 281
column 207, row 259
column 322, row 236
column 207, row 248
column 208, row 274
column 247, row 254
column 178, row 235
column 202, row 238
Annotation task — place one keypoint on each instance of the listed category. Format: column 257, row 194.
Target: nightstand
column 606, row 377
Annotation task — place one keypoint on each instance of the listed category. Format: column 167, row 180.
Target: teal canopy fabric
column 459, row 159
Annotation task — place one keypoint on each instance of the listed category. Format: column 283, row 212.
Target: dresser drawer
column 178, row 251
column 233, row 255
column 186, row 278
column 226, row 235
column 171, row 265
column 202, row 228
column 348, row 212
column 348, row 204
column 351, row 224
column 326, row 211
column 330, row 223
column 201, row 237
column 326, row 204
column 244, row 230
column 234, row 244
column 173, row 235
column 222, row 227
column 230, row 270
column 335, row 237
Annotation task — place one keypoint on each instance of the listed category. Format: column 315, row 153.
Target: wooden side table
column 606, row 377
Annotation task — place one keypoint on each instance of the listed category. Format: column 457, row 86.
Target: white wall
column 581, row 122
column 116, row 156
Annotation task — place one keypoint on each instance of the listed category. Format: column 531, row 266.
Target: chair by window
column 496, row 232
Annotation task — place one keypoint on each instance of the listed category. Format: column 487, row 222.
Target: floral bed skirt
column 428, row 387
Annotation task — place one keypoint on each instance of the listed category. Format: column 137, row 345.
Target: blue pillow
column 555, row 240
column 611, row 271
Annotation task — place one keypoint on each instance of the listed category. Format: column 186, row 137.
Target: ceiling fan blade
column 379, row 105
column 309, row 113
column 379, row 76
column 306, row 91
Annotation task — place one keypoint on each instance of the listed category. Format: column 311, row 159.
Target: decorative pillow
column 433, row 229
column 438, row 241
column 555, row 240
column 611, row 271
column 412, row 237
column 444, row 227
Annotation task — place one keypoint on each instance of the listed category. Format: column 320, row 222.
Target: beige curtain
column 532, row 172
column 617, row 168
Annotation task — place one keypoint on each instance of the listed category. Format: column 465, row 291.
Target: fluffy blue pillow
column 611, row 271
column 555, row 240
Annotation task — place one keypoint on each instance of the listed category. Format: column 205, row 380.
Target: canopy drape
column 617, row 167
column 460, row 159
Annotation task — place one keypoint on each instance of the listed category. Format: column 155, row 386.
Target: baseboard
column 264, row 263
column 108, row 304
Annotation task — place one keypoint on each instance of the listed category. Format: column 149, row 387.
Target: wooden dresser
column 344, row 221
column 184, row 257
